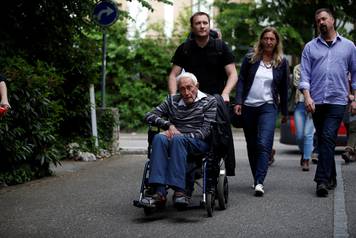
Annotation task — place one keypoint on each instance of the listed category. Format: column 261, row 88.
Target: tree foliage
column 241, row 23
column 239, row 26
column 49, row 62
column 50, row 53
column 136, row 74
column 28, row 133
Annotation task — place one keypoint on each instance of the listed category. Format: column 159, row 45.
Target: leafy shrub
column 22, row 174
column 106, row 122
column 137, row 74
column 139, row 98
column 28, row 132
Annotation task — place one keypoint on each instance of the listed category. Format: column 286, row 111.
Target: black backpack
column 212, row 34
column 222, row 141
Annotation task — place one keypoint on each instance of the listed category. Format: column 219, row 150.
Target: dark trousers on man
column 327, row 119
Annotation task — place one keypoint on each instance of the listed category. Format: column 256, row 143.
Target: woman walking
column 303, row 124
column 261, row 91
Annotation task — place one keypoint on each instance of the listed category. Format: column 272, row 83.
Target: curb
column 133, row 151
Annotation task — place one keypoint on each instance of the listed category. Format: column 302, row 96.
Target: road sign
column 105, row 13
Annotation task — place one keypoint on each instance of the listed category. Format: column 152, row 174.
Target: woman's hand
column 237, row 109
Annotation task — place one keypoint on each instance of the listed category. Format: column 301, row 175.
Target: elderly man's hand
column 171, row 132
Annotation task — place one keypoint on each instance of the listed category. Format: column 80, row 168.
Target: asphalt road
column 94, row 199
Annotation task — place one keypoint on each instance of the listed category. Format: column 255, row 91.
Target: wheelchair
column 208, row 167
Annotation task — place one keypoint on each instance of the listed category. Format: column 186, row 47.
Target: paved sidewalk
column 93, row 199
column 345, row 195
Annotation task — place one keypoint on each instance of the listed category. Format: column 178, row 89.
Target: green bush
column 137, row 74
column 139, row 98
column 50, row 51
column 28, row 133
column 105, row 123
column 22, row 174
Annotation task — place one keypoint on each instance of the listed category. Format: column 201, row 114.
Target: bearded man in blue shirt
column 326, row 65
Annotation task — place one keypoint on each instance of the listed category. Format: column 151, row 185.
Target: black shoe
column 332, row 184
column 321, row 190
column 346, row 156
column 305, row 165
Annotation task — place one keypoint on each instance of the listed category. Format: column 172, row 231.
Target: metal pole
column 103, row 70
column 94, row 129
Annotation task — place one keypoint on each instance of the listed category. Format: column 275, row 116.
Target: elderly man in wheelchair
column 186, row 119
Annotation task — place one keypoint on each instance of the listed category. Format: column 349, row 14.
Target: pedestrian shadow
column 194, row 213
column 172, row 215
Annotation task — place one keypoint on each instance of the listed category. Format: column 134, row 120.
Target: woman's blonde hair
column 257, row 52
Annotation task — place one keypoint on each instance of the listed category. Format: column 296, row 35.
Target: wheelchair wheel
column 210, row 204
column 222, row 192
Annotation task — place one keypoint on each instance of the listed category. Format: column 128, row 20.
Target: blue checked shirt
column 325, row 70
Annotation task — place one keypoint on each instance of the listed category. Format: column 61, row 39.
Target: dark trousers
column 327, row 119
column 259, row 125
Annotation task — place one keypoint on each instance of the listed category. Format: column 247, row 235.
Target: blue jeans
column 168, row 162
column 327, row 119
column 304, row 130
column 259, row 126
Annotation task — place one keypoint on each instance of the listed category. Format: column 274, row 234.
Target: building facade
column 165, row 15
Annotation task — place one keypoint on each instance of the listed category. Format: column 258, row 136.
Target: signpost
column 105, row 14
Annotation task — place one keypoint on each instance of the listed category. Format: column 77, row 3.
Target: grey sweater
column 192, row 120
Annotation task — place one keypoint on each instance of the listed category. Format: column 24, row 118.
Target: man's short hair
column 188, row 75
column 198, row 14
column 327, row 10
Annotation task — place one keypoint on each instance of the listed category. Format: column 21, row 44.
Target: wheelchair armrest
column 151, row 132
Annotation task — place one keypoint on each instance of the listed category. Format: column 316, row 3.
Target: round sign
column 105, row 13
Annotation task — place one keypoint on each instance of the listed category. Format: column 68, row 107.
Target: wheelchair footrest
column 145, row 202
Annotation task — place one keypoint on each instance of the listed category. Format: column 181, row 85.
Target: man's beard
column 323, row 29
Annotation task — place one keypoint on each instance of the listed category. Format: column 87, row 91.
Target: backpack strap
column 218, row 44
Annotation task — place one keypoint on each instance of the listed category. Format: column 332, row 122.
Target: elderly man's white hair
column 188, row 75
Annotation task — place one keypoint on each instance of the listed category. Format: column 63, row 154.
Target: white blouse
column 261, row 90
